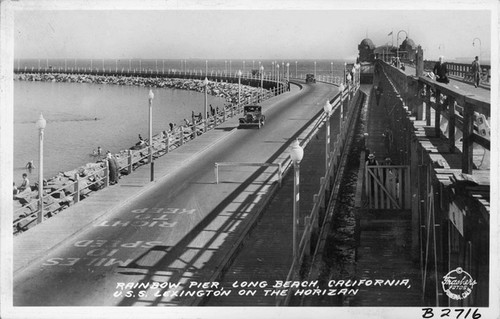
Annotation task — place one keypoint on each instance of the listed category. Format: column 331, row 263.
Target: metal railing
column 316, row 218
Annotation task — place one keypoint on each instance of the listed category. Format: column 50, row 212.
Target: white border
column 7, row 8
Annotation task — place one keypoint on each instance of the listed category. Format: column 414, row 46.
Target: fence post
column 76, row 196
column 468, row 129
column 168, row 142
column 216, row 173
column 316, row 212
column 129, row 166
column 437, row 114
column 427, row 105
column 307, row 243
column 279, row 174
column 106, row 174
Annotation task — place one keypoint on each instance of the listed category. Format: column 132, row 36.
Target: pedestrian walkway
column 38, row 241
column 481, row 91
column 385, row 237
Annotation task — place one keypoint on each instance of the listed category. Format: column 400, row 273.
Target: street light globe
column 151, row 95
column 277, row 65
column 296, row 152
column 41, row 123
column 239, row 73
column 262, row 68
column 341, row 87
column 327, row 108
column 288, row 64
column 353, row 70
column 205, row 82
column 349, row 77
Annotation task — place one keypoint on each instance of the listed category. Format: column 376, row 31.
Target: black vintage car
column 252, row 116
column 310, row 78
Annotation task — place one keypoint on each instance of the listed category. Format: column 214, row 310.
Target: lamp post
column 229, row 67
column 296, row 154
column 295, row 69
column 314, row 69
column 151, row 97
column 206, row 67
column 277, row 77
column 272, row 70
column 225, row 67
column 328, row 112
column 479, row 47
column 344, row 79
column 205, row 83
column 353, row 75
column 40, row 125
column 239, row 89
column 288, row 72
column 261, row 80
column 341, row 115
column 397, row 45
column 331, row 67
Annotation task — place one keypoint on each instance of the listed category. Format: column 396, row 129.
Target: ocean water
column 80, row 116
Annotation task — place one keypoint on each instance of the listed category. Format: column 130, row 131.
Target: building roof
column 408, row 42
column 367, row 42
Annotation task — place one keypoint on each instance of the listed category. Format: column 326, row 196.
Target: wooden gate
column 388, row 187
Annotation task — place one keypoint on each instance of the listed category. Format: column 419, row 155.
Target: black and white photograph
column 208, row 159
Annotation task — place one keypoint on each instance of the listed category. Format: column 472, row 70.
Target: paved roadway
column 174, row 229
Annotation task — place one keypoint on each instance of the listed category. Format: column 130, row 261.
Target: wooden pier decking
column 384, row 251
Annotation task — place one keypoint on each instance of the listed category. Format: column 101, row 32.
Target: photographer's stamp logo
column 458, row 284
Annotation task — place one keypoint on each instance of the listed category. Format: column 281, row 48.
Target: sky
column 216, row 32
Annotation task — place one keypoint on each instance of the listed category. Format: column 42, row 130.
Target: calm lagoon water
column 81, row 117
